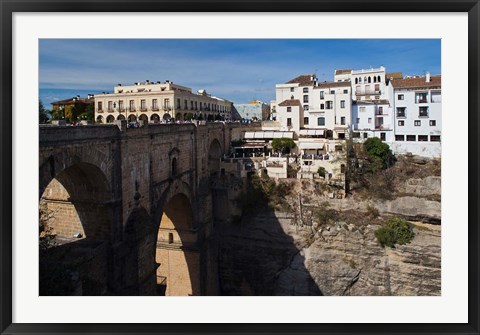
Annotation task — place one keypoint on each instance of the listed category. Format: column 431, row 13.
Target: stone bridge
column 132, row 208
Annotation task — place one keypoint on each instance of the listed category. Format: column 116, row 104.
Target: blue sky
column 236, row 69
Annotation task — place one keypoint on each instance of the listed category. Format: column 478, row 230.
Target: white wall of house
column 368, row 84
column 373, row 120
column 418, row 121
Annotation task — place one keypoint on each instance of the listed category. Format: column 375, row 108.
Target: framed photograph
column 248, row 168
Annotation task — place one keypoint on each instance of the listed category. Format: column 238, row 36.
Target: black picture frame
column 8, row 7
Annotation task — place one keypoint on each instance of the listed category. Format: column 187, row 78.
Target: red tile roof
column 418, row 82
column 290, row 102
column 302, row 80
column 343, row 71
column 72, row 101
column 333, row 84
column 394, row 75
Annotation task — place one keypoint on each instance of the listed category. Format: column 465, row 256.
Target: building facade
column 156, row 101
column 418, row 115
column 373, row 119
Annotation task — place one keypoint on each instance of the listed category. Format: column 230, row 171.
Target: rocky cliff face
column 278, row 253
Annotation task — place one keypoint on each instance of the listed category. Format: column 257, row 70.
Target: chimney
column 427, row 76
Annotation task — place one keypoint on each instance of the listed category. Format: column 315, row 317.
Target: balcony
column 368, row 92
column 422, row 101
column 155, row 108
column 100, row 111
column 110, row 110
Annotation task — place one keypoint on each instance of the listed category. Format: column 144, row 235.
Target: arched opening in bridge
column 214, row 156
column 178, row 273
column 75, row 230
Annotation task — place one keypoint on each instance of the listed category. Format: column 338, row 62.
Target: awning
column 311, row 145
column 312, row 132
column 267, row 134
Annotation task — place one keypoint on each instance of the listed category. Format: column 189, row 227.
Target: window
column 110, row 105
column 99, row 105
column 342, row 120
column 369, row 120
column 321, row 121
column 401, row 111
column 399, row 137
column 289, row 122
column 356, row 134
column 365, row 135
column 132, row 105
column 356, row 80
column 379, row 79
column 369, row 79
column 380, row 110
column 178, row 103
column 332, row 92
column 289, row 109
column 196, row 106
column 377, row 87
column 436, row 97
column 120, row 105
column 417, row 123
column 305, row 90
column 358, row 120
column 342, row 168
column 185, row 104
column 401, row 123
column 433, row 123
column 166, row 103
column 322, row 95
column 305, row 120
column 400, row 97
column 358, row 90
column 305, row 98
column 191, row 104
column 329, row 104
column 423, row 111
column 143, row 104
column 362, row 109
column 411, row 138
column 342, row 103
column 305, row 107
column 423, row 138
column 434, row 138
column 345, row 91
column 292, row 89
column 155, row 104
column 421, row 97
column 322, row 106
column 383, row 136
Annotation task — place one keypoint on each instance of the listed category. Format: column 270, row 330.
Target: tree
column 43, row 113
column 322, row 171
column 379, row 153
column 283, row 144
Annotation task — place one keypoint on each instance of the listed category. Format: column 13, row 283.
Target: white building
column 373, row 119
column 418, row 115
column 368, row 84
column 156, row 101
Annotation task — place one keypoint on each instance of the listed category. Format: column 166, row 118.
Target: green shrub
column 395, row 231
column 322, row 171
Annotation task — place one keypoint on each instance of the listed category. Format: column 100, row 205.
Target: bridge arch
column 215, row 153
column 176, row 250
column 76, row 200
